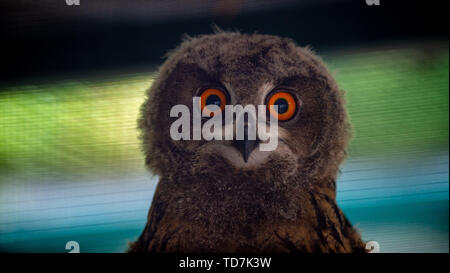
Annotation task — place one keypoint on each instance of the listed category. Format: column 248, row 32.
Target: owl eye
column 212, row 97
column 286, row 103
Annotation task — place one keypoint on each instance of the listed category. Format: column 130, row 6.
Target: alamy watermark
column 373, row 2
column 73, row 247
column 73, row 2
column 373, row 247
column 236, row 123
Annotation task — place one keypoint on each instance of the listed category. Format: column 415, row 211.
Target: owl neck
column 247, row 199
column 192, row 219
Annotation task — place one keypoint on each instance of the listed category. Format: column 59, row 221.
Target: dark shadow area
column 51, row 38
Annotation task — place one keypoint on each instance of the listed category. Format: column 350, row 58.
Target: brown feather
column 203, row 203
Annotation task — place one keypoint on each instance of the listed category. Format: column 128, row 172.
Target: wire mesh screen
column 71, row 166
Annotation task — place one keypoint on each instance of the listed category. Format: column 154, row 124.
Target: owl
column 228, row 196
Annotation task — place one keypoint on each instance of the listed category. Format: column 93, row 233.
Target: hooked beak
column 245, row 146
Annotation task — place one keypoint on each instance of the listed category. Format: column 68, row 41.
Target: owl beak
column 245, row 146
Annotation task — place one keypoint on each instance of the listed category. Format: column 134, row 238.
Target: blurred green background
column 71, row 168
column 397, row 100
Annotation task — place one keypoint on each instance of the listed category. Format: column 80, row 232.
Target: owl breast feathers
column 229, row 196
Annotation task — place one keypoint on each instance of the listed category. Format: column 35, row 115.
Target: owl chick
column 228, row 196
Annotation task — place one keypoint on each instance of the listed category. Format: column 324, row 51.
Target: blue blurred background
column 71, row 168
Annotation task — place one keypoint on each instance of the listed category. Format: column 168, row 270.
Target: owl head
column 247, row 69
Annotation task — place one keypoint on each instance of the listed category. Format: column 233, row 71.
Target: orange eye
column 212, row 97
column 286, row 105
